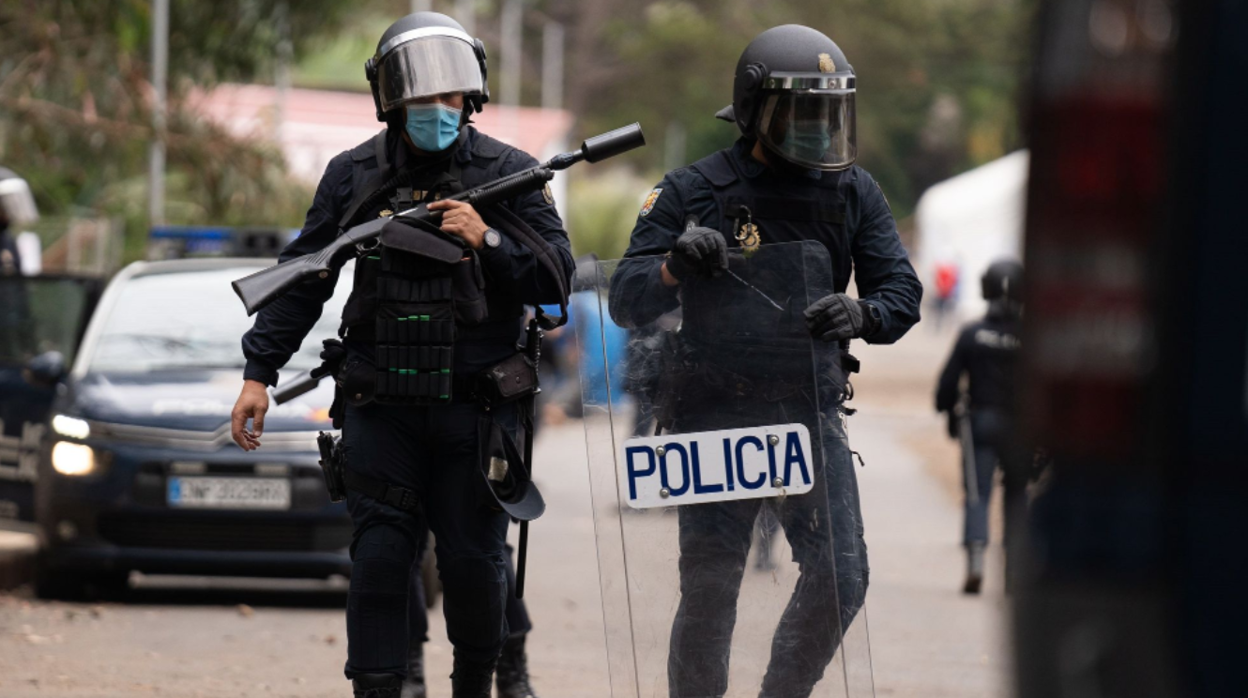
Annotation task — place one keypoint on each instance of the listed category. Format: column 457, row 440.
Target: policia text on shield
column 437, row 308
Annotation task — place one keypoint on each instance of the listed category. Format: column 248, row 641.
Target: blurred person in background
column 983, row 418
column 17, row 207
column 793, row 168
column 412, row 453
column 946, row 299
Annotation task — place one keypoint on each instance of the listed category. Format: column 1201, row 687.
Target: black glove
column 332, row 354
column 702, row 251
column 836, row 317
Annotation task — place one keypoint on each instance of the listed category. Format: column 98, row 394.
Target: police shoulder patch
column 651, row 199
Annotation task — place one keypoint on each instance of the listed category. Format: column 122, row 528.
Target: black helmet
column 1003, row 281
column 424, row 54
column 794, row 91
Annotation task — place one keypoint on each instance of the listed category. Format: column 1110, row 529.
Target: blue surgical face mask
column 433, row 127
column 810, row 145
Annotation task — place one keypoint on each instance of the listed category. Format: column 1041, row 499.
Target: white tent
column 970, row 221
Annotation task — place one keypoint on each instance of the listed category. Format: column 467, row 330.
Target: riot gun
column 267, row 285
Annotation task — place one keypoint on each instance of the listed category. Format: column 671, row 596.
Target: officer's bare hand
column 461, row 220
column 252, row 403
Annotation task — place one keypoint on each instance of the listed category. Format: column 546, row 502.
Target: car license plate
column 229, row 493
column 716, row 466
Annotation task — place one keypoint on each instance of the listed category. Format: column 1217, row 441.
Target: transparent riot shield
column 725, row 500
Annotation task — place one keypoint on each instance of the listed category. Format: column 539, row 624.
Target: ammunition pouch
column 510, row 379
column 358, row 379
column 413, row 329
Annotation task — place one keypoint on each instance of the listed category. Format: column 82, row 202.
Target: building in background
column 969, row 221
column 312, row 126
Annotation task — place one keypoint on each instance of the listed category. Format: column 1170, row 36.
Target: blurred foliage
column 76, row 118
column 602, row 211
column 938, row 87
column 938, row 80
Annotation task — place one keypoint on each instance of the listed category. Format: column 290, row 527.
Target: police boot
column 513, row 671
column 414, row 684
column 974, row 568
column 471, row 679
column 377, row 685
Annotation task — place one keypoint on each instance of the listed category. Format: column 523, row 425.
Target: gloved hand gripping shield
column 730, row 543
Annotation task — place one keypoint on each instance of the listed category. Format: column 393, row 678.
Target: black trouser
column 993, row 446
column 434, row 451
column 518, row 621
column 824, row 529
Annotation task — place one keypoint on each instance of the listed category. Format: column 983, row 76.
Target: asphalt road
column 192, row 637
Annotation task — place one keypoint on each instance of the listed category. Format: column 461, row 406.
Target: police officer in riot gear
column 790, row 177
column 986, row 353
column 418, row 334
column 17, row 207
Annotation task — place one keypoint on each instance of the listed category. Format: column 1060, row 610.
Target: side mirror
column 46, row 369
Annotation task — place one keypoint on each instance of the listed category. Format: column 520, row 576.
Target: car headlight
column 73, row 459
column 72, row 427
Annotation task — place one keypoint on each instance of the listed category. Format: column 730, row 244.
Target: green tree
column 75, row 106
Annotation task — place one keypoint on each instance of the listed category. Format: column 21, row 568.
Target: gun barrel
column 613, row 143
column 267, row 285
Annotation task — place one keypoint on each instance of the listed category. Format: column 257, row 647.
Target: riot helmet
column 1003, row 280
column 794, row 91
column 17, row 204
column 426, row 54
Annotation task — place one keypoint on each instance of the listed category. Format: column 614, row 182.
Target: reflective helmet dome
column 794, row 91
column 426, row 54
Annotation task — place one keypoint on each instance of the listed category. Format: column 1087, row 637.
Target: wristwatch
column 873, row 318
column 492, row 238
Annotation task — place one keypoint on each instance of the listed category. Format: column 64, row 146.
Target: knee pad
column 382, row 559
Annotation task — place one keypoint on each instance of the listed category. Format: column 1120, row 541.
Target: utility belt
column 358, row 379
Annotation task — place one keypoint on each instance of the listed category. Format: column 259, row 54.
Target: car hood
column 193, row 400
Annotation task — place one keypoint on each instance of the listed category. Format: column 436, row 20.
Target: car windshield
column 192, row 320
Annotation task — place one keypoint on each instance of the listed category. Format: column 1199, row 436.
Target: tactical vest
column 788, row 209
column 412, row 308
column 785, row 210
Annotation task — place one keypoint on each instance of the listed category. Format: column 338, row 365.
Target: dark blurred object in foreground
column 1135, row 352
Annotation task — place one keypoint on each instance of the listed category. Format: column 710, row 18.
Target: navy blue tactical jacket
column 987, row 353
column 510, row 269
column 881, row 266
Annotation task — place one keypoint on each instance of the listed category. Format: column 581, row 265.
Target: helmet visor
column 427, row 66
column 815, row 130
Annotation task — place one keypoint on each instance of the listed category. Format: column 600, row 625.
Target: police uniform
column 431, row 449
column 847, row 214
column 987, row 353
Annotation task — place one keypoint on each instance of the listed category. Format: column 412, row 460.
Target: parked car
column 137, row 470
